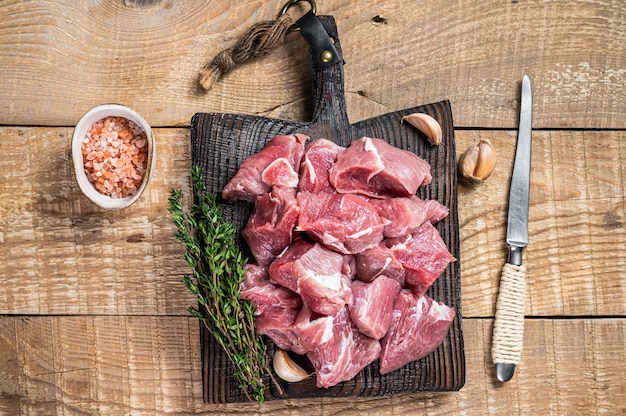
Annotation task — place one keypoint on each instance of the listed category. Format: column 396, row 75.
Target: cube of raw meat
column 345, row 354
column 277, row 164
column 270, row 227
column 319, row 156
column 277, row 323
column 406, row 215
column 313, row 329
column 315, row 273
column 378, row 260
column 374, row 168
column 263, row 294
column 325, row 293
column 286, row 268
column 345, row 223
column 418, row 326
column 423, row 255
column 372, row 305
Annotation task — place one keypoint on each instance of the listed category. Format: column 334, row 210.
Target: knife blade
column 508, row 328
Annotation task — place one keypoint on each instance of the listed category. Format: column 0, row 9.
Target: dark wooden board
column 221, row 142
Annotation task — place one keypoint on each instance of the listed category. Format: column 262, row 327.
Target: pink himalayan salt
column 115, row 156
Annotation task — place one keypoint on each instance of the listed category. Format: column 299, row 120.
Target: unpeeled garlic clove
column 478, row 161
column 427, row 125
column 287, row 369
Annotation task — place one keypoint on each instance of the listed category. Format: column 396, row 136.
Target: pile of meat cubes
column 344, row 252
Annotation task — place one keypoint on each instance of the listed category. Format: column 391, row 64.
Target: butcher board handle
column 326, row 57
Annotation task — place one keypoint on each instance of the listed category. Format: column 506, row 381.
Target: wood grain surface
column 71, row 56
column 62, row 255
column 93, row 316
column 51, row 367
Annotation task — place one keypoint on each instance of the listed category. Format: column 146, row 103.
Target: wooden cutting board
column 221, row 142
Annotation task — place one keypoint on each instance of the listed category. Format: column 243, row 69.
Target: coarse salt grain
column 115, row 156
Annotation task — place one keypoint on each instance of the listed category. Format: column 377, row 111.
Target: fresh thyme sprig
column 217, row 266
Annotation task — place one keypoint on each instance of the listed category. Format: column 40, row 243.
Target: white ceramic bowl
column 80, row 131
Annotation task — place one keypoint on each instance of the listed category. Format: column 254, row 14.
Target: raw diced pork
column 314, row 329
column 424, row 256
column 325, row 293
column 319, row 156
column 378, row 260
column 372, row 305
column 270, row 227
column 278, row 324
column 350, row 214
column 343, row 222
column 277, row 163
column 315, row 273
column 373, row 167
column 263, row 294
column 405, row 215
column 419, row 324
column 286, row 269
column 345, row 354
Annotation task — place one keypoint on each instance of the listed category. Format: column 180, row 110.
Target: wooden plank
column 576, row 225
column 147, row 55
column 113, row 365
column 62, row 255
column 148, row 365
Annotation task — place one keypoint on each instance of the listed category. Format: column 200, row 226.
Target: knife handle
column 508, row 329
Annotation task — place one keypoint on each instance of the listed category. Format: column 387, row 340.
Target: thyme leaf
column 217, row 272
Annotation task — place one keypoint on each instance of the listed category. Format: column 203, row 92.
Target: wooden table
column 93, row 316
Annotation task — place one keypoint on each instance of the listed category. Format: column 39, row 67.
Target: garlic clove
column 427, row 125
column 287, row 369
column 478, row 162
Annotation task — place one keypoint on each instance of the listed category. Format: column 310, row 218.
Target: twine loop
column 261, row 39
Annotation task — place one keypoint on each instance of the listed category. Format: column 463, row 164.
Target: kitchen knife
column 508, row 328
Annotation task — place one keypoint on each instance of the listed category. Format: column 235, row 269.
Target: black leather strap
column 323, row 52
